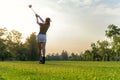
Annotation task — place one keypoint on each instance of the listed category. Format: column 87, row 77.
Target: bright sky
column 75, row 23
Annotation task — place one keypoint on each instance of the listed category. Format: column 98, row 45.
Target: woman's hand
column 37, row 15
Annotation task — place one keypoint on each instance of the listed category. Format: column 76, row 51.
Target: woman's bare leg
column 40, row 48
column 43, row 51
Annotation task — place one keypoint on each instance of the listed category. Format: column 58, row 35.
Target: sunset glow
column 75, row 23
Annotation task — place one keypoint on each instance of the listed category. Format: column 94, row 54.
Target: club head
column 30, row 6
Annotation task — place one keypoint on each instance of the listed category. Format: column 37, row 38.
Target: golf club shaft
column 30, row 6
column 33, row 10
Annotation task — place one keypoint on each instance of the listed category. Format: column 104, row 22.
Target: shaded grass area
column 59, row 70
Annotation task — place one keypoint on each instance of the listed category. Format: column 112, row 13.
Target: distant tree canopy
column 102, row 50
column 12, row 48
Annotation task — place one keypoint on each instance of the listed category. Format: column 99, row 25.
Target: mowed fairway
column 59, row 70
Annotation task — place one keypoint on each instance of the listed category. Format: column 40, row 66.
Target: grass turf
column 59, row 70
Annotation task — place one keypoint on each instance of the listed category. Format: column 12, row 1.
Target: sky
column 75, row 23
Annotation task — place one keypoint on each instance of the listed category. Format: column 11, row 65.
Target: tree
column 22, row 53
column 103, row 49
column 113, row 33
column 3, row 52
column 53, row 56
column 75, row 57
column 2, row 32
column 3, row 49
column 31, row 45
column 88, row 55
column 64, row 55
column 95, row 53
column 13, row 41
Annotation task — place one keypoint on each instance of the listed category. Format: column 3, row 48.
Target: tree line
column 12, row 47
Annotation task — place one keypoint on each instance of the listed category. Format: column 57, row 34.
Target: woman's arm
column 41, row 19
column 37, row 16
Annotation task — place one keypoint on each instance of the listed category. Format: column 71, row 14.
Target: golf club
column 30, row 6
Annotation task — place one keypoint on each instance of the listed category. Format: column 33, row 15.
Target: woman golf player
column 44, row 25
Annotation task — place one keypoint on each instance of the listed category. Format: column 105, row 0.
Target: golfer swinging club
column 44, row 25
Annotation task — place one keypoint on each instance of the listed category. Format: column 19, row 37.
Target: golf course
column 59, row 70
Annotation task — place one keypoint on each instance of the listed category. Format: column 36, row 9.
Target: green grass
column 59, row 70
